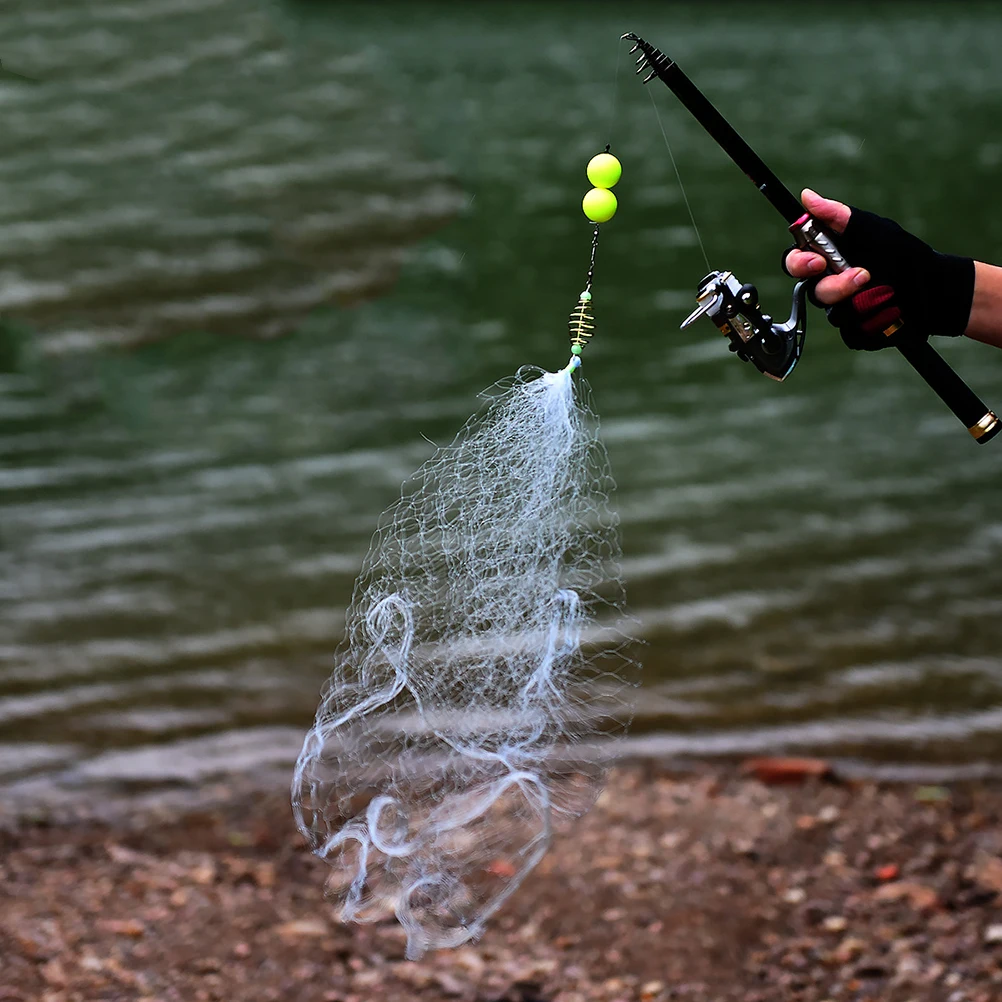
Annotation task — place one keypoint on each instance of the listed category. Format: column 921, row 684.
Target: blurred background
column 255, row 259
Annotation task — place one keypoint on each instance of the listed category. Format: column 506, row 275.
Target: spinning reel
column 772, row 348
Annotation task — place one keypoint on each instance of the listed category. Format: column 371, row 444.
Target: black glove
column 915, row 291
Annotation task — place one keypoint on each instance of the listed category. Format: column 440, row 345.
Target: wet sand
column 706, row 886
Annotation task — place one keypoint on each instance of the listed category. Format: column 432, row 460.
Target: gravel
column 708, row 886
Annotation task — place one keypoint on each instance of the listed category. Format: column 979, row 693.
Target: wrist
column 949, row 293
column 985, row 322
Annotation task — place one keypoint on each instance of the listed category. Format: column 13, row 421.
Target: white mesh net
column 477, row 663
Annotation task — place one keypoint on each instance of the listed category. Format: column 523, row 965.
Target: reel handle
column 981, row 422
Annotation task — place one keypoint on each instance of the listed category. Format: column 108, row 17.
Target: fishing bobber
column 604, row 171
column 599, row 205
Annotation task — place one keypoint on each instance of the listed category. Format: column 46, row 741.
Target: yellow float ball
column 599, row 205
column 604, row 170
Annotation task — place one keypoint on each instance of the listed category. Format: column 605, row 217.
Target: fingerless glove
column 913, row 287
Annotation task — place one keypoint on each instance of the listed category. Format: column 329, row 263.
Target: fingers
column 804, row 264
column 834, row 215
column 834, row 288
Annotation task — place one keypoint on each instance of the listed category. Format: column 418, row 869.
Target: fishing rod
column 774, row 348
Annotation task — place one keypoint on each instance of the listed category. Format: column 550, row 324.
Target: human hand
column 915, row 291
column 806, row 264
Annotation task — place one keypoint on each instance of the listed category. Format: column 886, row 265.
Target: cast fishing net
column 479, row 662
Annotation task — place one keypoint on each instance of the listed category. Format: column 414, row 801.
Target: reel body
column 774, row 349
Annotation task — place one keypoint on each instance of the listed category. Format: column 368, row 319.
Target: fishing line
column 615, row 95
column 685, row 196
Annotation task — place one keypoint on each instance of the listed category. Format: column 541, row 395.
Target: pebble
column 302, row 927
column 119, row 927
column 993, row 934
column 919, row 896
column 934, row 934
column 849, row 949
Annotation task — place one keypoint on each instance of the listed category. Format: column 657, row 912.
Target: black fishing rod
column 774, row 348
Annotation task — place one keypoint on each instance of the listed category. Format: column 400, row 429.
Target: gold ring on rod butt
column 984, row 425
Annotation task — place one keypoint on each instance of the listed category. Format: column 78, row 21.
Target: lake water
column 254, row 259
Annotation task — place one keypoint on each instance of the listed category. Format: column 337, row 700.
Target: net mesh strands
column 479, row 663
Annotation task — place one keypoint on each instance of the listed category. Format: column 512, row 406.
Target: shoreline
column 58, row 802
column 706, row 886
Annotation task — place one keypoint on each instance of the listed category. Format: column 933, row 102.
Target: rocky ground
column 709, row 886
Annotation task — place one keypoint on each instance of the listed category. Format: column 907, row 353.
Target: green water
column 390, row 193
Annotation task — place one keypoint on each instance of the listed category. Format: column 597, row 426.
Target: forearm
column 986, row 311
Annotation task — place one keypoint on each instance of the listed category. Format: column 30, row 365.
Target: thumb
column 834, row 215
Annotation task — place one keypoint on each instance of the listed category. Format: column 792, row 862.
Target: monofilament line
column 615, row 94
column 685, row 197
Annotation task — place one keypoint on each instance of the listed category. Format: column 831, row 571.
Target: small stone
column 794, row 895
column 470, row 961
column 870, row 969
column 119, row 927
column 920, row 897
column 302, row 927
column 993, row 934
column 502, row 867
column 987, row 870
column 835, row 923
column 849, row 949
column 55, row 974
column 31, row 946
column 264, row 874
column 449, row 984
column 204, row 874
